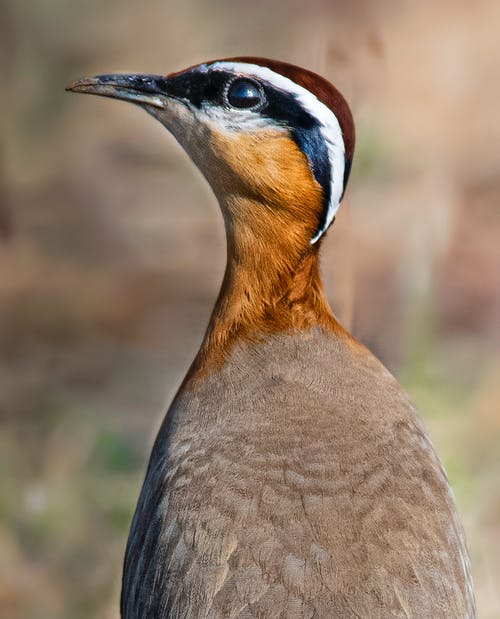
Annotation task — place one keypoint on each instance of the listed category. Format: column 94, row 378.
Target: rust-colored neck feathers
column 272, row 282
column 261, row 294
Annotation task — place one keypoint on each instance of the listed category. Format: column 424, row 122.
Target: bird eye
column 244, row 93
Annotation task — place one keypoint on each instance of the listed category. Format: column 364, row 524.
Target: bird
column 292, row 475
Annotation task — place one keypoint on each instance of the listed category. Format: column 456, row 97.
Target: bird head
column 274, row 141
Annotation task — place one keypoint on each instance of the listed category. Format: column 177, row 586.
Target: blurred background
column 112, row 251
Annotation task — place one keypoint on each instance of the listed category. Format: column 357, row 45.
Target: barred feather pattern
column 295, row 481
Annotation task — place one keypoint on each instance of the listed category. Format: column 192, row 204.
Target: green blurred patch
column 374, row 159
column 444, row 404
column 120, row 515
column 115, row 453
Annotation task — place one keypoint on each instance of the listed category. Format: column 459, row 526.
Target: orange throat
column 265, row 290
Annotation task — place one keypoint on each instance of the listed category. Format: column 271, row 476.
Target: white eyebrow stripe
column 329, row 127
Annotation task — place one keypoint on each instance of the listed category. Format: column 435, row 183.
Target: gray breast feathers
column 309, row 490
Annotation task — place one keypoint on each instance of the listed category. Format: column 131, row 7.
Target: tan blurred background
column 112, row 250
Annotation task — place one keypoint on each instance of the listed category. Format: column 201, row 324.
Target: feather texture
column 296, row 481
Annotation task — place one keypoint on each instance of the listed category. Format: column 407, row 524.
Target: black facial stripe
column 208, row 87
column 313, row 145
column 199, row 87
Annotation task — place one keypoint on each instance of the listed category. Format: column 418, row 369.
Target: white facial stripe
column 329, row 126
column 233, row 120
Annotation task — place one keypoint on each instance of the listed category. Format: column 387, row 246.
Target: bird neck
column 271, row 285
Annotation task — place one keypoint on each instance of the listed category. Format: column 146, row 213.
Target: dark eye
column 244, row 93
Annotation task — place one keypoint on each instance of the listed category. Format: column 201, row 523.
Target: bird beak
column 140, row 89
column 159, row 96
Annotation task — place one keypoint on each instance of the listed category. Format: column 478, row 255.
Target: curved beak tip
column 139, row 89
column 81, row 85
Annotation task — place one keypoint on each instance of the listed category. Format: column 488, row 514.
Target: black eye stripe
column 199, row 87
